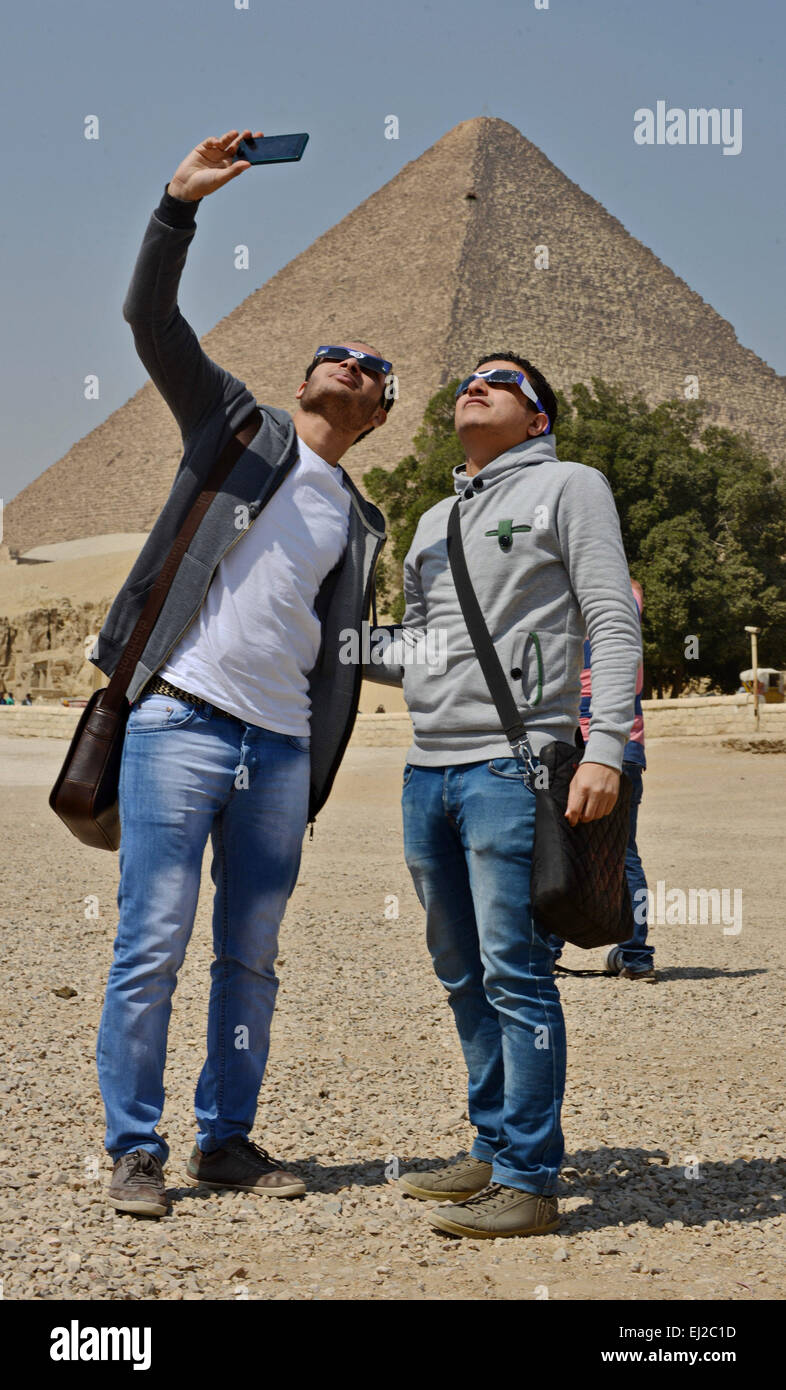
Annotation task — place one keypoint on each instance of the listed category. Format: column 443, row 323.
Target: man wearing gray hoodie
column 545, row 554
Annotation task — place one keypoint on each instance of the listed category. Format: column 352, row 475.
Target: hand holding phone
column 210, row 165
column 273, row 149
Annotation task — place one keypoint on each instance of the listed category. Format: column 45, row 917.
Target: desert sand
column 673, row 1181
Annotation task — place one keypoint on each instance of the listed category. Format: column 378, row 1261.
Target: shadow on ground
column 621, row 1186
column 665, row 974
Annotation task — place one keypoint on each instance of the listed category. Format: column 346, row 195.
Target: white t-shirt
column 256, row 637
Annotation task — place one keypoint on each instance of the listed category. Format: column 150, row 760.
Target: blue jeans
column 185, row 775
column 468, row 834
column 635, row 953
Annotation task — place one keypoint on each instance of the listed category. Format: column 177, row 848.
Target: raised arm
column 189, row 381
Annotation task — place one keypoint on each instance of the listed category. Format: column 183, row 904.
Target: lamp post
column 754, row 632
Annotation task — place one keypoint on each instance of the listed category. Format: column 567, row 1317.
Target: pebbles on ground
column 673, row 1182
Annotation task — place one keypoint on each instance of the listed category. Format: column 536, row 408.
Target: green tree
column 703, row 519
column 702, row 512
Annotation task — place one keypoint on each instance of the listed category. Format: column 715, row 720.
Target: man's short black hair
column 537, row 379
column 386, row 402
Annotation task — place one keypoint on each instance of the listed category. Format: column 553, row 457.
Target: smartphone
column 272, row 149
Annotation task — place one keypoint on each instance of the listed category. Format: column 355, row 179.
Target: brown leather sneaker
column 245, row 1167
column 137, row 1185
column 627, row 974
column 453, row 1183
column 498, row 1211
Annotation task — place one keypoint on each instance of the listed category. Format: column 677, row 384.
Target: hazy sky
column 163, row 74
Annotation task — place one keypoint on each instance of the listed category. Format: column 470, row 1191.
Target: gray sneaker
column 137, row 1185
column 498, row 1211
column 453, row 1183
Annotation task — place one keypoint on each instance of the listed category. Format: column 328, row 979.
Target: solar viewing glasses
column 367, row 363
column 504, row 376
column 364, row 359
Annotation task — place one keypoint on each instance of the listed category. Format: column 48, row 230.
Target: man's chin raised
column 340, row 409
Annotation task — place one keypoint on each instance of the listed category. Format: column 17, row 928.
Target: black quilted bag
column 579, row 888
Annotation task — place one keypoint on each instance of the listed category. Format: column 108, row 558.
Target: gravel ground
column 674, row 1177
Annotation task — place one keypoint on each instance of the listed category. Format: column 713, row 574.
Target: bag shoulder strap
column 234, row 447
column 480, row 636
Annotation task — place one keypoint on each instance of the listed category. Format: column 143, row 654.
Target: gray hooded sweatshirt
column 545, row 555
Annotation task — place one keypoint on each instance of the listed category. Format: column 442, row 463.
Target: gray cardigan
column 209, row 405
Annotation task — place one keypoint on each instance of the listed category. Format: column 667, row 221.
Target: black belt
column 158, row 686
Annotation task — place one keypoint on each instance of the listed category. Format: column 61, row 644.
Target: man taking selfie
column 545, row 557
column 240, row 708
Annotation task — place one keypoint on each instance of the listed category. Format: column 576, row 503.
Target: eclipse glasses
column 367, row 363
column 504, row 376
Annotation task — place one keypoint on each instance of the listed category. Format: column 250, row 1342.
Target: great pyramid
column 437, row 266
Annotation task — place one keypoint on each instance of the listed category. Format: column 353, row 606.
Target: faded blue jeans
column 468, row 834
column 185, row 775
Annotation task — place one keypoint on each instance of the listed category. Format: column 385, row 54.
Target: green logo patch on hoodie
column 504, row 533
